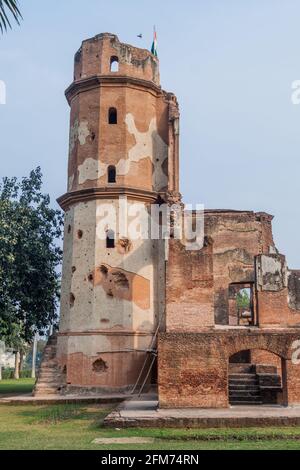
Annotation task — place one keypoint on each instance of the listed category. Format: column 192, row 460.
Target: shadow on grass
column 56, row 414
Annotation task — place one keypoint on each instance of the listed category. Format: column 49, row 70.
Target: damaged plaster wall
column 294, row 290
column 272, row 273
column 238, row 237
column 279, row 291
column 112, row 297
column 114, row 303
column 85, row 253
column 149, row 145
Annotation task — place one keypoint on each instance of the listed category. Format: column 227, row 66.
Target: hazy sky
column 230, row 62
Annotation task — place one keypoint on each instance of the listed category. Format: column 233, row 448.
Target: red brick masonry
column 193, row 367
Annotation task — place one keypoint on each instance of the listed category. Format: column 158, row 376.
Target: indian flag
column 154, row 45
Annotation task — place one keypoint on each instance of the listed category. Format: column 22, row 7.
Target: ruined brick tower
column 228, row 311
column 123, row 143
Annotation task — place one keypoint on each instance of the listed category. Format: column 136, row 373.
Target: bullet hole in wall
column 80, row 234
column 104, row 270
column 72, row 300
column 100, row 366
column 120, row 280
column 124, row 245
column 69, row 229
column 73, row 269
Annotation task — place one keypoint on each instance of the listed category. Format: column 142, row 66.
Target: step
column 244, row 394
column 49, row 380
column 49, row 365
column 245, row 383
column 241, row 368
column 48, row 375
column 246, row 403
column 266, row 369
column 48, row 389
column 47, row 357
column 243, row 379
column 48, row 384
column 254, row 398
column 269, row 379
column 242, row 375
column 55, row 379
column 239, row 387
column 46, row 392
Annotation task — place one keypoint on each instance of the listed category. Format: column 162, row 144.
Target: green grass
column 68, row 427
column 16, row 387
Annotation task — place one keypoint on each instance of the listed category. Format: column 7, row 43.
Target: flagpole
column 154, row 44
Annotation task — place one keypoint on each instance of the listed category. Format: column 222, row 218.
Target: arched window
column 114, row 64
column 112, row 116
column 112, row 174
column 110, row 239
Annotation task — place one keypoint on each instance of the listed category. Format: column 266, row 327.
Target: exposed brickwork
column 193, row 368
column 189, row 288
column 114, row 297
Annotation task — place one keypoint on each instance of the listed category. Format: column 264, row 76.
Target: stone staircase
column 50, row 378
column 244, row 390
column 253, row 385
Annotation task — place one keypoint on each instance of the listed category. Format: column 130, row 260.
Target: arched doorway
column 257, row 377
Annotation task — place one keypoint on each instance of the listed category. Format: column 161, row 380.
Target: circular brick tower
column 124, row 134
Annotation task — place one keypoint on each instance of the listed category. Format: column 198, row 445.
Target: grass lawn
column 67, row 427
column 16, row 387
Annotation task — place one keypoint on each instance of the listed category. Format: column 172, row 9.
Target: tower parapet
column 105, row 54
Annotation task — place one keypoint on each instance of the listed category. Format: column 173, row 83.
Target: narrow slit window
column 114, row 64
column 112, row 174
column 110, row 239
column 112, row 116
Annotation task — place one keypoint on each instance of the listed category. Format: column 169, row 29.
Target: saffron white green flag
column 154, row 45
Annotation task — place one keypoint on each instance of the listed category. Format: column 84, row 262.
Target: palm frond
column 6, row 7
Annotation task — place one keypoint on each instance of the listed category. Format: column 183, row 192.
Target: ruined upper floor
column 238, row 278
column 105, row 55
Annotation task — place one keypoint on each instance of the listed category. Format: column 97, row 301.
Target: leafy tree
column 8, row 8
column 243, row 299
column 29, row 258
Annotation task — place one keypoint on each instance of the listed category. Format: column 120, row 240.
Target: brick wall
column 193, row 368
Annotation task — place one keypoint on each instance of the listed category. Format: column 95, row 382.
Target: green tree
column 8, row 8
column 29, row 259
column 243, row 299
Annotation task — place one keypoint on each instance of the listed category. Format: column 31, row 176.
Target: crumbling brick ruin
column 228, row 313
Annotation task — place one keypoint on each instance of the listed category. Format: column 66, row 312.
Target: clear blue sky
column 231, row 64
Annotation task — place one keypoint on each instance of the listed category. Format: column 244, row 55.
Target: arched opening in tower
column 112, row 116
column 110, row 239
column 114, row 64
column 112, row 174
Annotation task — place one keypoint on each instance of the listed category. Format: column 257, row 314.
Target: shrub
column 8, row 374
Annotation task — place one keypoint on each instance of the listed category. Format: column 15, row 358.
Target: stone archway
column 259, row 381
